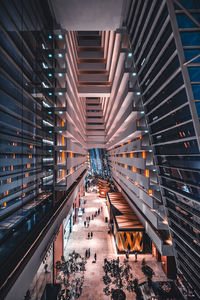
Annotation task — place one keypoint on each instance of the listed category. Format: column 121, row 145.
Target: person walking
column 89, row 218
column 136, row 256
column 101, row 208
column 92, row 217
column 86, row 253
column 88, row 235
column 84, row 223
column 91, row 234
column 95, row 257
column 89, row 253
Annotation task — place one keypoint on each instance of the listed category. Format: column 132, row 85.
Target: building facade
column 131, row 91
column 164, row 38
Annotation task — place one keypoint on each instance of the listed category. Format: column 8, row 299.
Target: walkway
column 103, row 245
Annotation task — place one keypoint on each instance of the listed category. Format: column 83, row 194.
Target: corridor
column 103, row 245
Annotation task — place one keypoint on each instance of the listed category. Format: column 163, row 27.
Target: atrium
column 99, row 149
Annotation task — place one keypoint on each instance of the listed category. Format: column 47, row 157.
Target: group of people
column 90, row 235
column 128, row 252
column 87, row 221
column 87, row 255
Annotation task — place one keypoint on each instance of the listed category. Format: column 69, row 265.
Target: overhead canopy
column 124, row 216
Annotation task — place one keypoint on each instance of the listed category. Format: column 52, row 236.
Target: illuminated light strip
column 47, row 159
column 47, row 142
column 47, row 123
column 45, row 104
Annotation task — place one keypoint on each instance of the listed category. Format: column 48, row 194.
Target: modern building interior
column 99, row 118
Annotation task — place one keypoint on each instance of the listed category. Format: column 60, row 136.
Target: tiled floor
column 103, row 245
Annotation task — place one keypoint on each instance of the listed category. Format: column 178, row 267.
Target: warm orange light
column 150, row 192
column 147, row 173
column 13, row 155
column 28, row 166
column 129, row 142
column 185, row 145
column 5, row 204
column 24, row 194
column 63, row 140
column 125, row 166
column 27, row 175
column 71, row 170
column 131, row 155
column 71, row 154
column 31, row 146
column 11, row 167
column 138, row 123
column 140, row 137
column 24, row 185
column 63, row 174
column 63, row 123
column 134, row 169
column 30, row 156
column 143, row 154
column 6, row 193
column 123, row 155
column 9, row 180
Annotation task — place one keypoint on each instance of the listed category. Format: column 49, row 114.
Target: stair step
column 90, row 54
column 89, row 42
column 91, row 66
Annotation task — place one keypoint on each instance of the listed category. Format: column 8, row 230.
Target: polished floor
column 103, row 245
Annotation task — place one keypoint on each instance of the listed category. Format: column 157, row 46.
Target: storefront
column 67, row 229
column 126, row 227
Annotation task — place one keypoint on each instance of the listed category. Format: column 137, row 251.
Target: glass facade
column 166, row 54
column 38, row 166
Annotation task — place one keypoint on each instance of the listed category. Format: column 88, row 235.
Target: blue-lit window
column 190, row 53
column 184, row 22
column 190, row 3
column 196, row 91
column 194, row 73
column 190, row 38
column 198, row 108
